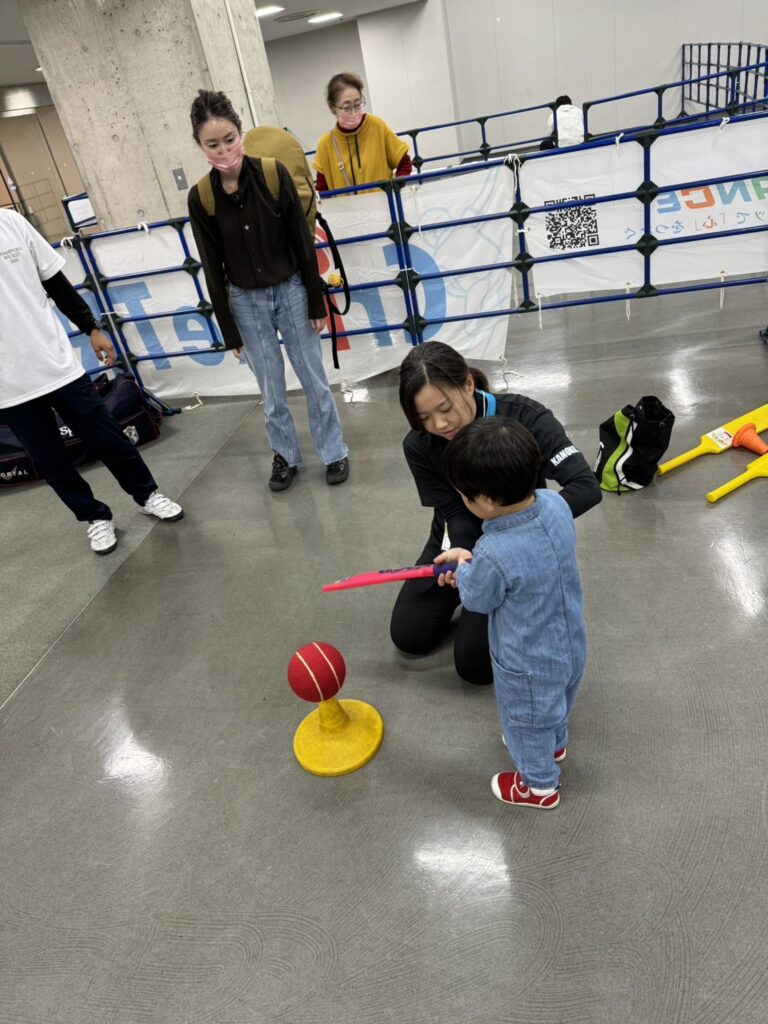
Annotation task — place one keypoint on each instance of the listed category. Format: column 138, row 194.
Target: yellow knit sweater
column 368, row 154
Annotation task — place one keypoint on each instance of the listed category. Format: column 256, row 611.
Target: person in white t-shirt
column 565, row 126
column 40, row 375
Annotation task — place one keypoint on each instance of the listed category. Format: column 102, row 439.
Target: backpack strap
column 205, row 192
column 271, row 176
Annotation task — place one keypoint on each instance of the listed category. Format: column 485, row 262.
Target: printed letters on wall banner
column 482, row 191
column 692, row 213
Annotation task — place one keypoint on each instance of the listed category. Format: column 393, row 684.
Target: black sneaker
column 282, row 474
column 337, row 472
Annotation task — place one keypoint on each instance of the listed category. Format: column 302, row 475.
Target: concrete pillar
column 123, row 74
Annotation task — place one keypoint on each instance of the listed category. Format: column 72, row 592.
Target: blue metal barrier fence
column 417, row 318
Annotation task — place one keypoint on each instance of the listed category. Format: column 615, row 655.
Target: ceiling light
column 320, row 18
column 264, row 12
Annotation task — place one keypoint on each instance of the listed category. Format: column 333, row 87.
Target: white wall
column 402, row 56
column 511, row 53
column 408, row 71
column 302, row 67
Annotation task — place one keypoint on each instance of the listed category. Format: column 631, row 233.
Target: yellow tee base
column 338, row 737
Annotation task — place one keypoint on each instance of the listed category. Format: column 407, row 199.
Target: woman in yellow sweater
column 360, row 148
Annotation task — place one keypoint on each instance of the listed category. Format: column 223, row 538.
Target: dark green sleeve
column 209, row 247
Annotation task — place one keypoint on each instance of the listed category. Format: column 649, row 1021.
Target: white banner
column 708, row 152
column 173, row 325
column 584, row 174
column 697, row 213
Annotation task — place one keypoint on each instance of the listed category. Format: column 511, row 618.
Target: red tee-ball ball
column 316, row 672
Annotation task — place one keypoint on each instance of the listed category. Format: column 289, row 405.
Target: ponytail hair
column 438, row 364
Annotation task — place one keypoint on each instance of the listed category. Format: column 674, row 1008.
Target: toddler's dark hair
column 435, row 363
column 563, row 101
column 493, row 456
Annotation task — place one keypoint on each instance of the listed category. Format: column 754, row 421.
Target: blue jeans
column 534, row 720
column 260, row 313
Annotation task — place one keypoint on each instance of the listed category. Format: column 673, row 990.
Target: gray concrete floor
column 164, row 860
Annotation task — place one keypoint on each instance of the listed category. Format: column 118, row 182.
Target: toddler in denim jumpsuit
column 523, row 574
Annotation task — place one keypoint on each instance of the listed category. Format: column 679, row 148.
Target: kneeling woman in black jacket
column 439, row 394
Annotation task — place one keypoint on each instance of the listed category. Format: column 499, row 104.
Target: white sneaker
column 101, row 534
column 158, row 505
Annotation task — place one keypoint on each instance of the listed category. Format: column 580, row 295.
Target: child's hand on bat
column 459, row 555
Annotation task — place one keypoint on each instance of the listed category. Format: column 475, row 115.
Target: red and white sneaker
column 510, row 789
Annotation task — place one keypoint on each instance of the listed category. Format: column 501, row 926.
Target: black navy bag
column 122, row 396
column 632, row 442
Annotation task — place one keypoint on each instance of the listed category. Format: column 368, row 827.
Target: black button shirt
column 253, row 241
column 257, row 252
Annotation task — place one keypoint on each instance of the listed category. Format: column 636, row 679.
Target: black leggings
column 422, row 617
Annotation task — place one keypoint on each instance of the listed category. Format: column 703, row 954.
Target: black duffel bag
column 121, row 394
column 632, row 442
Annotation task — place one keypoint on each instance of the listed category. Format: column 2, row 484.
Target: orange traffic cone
column 748, row 437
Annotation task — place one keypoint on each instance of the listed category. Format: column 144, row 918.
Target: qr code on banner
column 573, row 228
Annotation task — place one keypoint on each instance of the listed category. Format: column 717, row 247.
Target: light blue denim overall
column 525, row 577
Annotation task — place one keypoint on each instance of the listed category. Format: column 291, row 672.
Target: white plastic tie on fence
column 68, row 242
column 195, row 405
column 627, row 303
column 723, row 123
column 618, row 139
column 505, row 372
column 513, row 161
column 417, row 206
column 722, row 288
column 142, row 226
column 538, row 299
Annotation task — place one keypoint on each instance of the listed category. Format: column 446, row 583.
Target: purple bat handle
column 445, row 567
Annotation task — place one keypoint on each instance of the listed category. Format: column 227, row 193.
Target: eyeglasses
column 352, row 108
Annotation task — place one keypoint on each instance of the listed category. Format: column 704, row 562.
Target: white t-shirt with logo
column 36, row 356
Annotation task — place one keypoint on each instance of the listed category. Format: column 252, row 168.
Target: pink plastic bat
column 410, row 572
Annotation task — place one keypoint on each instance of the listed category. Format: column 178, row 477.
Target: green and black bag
column 632, row 442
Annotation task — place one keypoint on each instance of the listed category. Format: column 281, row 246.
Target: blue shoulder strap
column 489, row 400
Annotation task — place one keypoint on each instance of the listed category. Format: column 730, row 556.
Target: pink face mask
column 227, row 162
column 350, row 121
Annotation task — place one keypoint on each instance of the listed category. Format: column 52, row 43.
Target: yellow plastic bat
column 719, row 440
column 755, row 468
